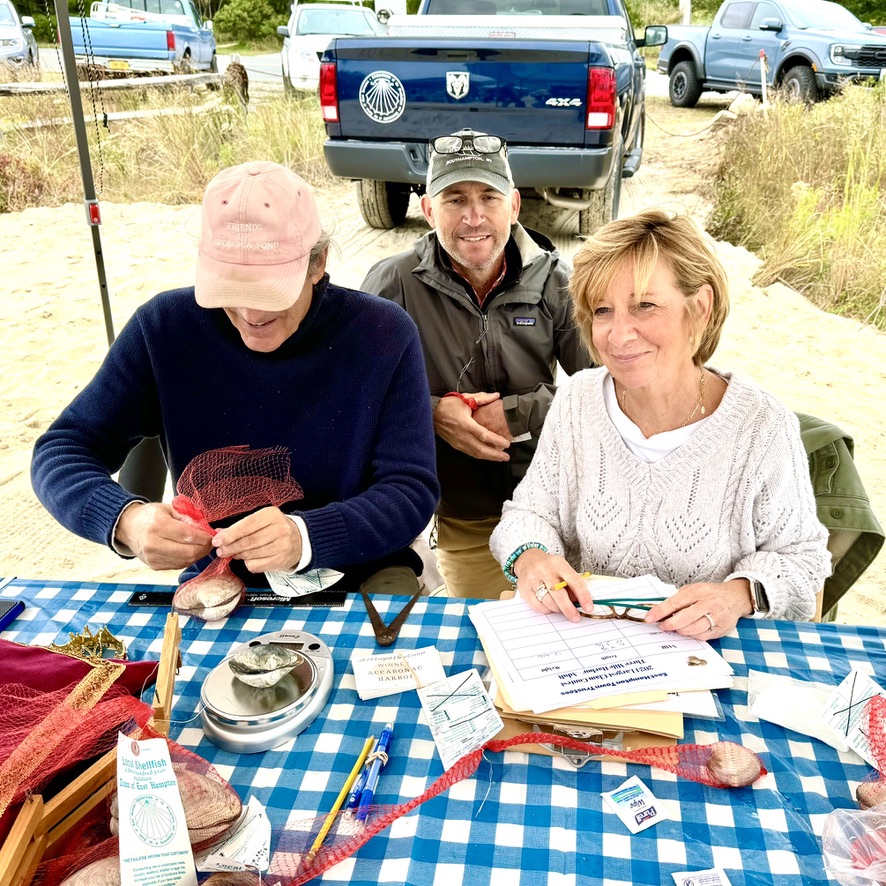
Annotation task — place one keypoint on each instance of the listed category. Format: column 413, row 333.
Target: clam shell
column 105, row 872
column 263, row 665
column 210, row 806
column 233, row 878
column 733, row 765
column 871, row 793
column 209, row 598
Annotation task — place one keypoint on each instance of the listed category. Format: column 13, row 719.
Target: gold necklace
column 699, row 403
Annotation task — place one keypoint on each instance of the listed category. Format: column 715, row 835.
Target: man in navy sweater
column 264, row 351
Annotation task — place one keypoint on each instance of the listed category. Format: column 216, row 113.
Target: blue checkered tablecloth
column 522, row 819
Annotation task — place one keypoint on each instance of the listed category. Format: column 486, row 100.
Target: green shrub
column 246, row 20
column 805, row 188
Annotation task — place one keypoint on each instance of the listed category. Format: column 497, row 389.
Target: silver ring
column 541, row 592
column 710, row 618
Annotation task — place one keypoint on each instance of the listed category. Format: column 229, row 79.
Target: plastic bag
column 854, row 844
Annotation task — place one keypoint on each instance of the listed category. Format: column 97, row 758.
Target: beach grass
column 805, row 189
column 166, row 148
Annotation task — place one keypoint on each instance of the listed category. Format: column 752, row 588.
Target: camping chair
column 854, row 534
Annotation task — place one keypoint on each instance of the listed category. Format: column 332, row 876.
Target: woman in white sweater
column 655, row 463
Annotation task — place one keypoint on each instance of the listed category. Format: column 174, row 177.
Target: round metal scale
column 245, row 719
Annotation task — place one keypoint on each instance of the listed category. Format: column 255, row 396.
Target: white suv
column 17, row 44
column 311, row 27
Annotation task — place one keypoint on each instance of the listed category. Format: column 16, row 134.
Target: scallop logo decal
column 382, row 97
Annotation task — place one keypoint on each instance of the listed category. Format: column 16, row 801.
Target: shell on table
column 233, row 878
column 210, row 806
column 733, row 765
column 104, row 872
column 209, row 597
column 264, row 665
column 871, row 793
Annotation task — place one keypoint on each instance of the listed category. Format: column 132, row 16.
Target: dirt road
column 54, row 338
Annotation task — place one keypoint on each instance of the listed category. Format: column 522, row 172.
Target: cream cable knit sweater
column 734, row 500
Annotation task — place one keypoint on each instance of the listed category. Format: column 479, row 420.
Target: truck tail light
column 328, row 92
column 601, row 98
column 170, row 41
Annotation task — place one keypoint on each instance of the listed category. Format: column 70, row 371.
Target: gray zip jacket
column 510, row 345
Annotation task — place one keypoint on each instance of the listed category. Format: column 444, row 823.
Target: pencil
column 562, row 584
column 367, row 747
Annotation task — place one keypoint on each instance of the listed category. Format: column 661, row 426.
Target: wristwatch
column 759, row 598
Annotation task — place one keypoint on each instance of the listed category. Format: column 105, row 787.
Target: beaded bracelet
column 506, row 569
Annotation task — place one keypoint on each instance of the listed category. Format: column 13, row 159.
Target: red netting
column 872, row 791
column 723, row 764
column 90, row 855
column 45, row 733
column 218, row 484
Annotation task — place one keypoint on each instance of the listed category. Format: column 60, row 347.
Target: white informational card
column 391, row 672
column 635, row 805
column 246, row 847
column 710, row 877
column 547, row 662
column 300, row 584
column 461, row 715
column 846, row 712
column 154, row 844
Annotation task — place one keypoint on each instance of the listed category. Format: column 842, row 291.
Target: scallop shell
column 263, row 665
column 209, row 598
column 871, row 793
column 104, row 872
column 733, row 765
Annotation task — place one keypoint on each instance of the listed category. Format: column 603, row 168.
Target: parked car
column 811, row 48
column 880, row 30
column 311, row 27
column 144, row 37
column 17, row 44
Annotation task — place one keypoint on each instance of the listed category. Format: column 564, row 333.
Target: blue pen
column 366, row 797
column 360, row 783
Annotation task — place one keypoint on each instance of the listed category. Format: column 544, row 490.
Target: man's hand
column 454, row 422
column 492, row 417
column 160, row 540
column 265, row 541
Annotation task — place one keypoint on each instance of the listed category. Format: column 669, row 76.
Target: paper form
column 548, row 662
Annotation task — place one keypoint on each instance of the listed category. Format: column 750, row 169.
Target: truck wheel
column 382, row 204
column 684, row 87
column 288, row 88
column 213, row 69
column 604, row 203
column 800, row 86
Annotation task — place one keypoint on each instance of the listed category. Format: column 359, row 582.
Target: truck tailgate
column 531, row 94
column 124, row 39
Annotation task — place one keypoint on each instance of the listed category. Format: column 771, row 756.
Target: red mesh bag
column 218, row 484
column 91, row 853
column 723, row 764
column 872, row 791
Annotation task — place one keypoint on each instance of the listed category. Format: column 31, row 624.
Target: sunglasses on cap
column 455, row 144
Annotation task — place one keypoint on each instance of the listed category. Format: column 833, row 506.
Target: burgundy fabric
column 47, row 671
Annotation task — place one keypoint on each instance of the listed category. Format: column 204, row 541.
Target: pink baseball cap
column 259, row 224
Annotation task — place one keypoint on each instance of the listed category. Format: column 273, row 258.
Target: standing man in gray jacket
column 491, row 303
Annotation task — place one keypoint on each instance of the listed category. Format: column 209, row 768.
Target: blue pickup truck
column 811, row 48
column 562, row 81
column 143, row 37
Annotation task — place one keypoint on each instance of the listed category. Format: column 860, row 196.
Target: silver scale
column 247, row 720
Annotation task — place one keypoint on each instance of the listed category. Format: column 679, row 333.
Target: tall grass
column 168, row 157
column 805, row 188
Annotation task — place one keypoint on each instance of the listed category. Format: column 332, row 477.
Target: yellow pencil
column 340, row 799
column 562, row 584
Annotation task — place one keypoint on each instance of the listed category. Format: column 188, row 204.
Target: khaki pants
column 464, row 560
column 392, row 580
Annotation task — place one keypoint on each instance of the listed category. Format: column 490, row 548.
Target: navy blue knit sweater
column 346, row 393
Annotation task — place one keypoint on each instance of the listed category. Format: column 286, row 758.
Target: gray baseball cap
column 468, row 156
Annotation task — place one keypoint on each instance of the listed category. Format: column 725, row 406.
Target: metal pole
column 93, row 215
column 144, row 471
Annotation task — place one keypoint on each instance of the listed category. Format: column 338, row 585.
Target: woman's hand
column 537, row 572
column 705, row 610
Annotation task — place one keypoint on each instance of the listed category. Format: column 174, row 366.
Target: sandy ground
column 54, row 338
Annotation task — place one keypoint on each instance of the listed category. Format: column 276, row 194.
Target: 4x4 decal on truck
column 457, row 83
column 382, row 97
